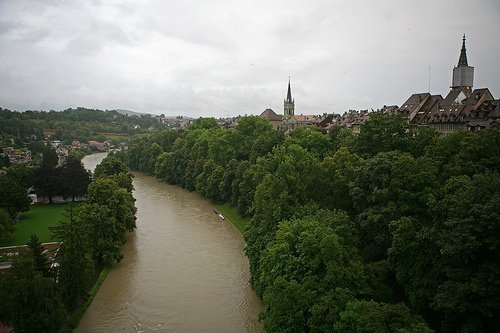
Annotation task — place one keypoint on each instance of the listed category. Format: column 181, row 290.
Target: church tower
column 463, row 74
column 289, row 103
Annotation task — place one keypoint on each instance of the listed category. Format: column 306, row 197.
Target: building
column 17, row 156
column 464, row 108
column 463, row 74
column 289, row 120
column 273, row 118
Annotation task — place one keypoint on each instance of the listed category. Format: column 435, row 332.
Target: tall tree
column 75, row 259
column 13, row 197
column 74, row 178
column 47, row 181
column 6, row 226
column 49, row 157
column 21, row 174
column 110, row 166
column 41, row 262
column 107, row 235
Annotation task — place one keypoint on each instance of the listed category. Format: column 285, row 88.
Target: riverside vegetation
column 391, row 230
column 37, row 297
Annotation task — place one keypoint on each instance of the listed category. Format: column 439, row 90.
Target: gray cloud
column 234, row 57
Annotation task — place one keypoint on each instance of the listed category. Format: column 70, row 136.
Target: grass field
column 232, row 215
column 37, row 220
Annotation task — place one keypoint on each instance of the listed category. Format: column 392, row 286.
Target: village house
column 464, row 108
column 17, row 156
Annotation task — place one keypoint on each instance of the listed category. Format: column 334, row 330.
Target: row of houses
column 463, row 108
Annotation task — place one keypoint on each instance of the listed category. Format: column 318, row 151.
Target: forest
column 394, row 229
column 72, row 124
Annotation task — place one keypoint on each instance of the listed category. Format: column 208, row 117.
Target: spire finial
column 289, row 94
column 462, row 61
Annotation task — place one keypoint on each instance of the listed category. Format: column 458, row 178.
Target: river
column 183, row 270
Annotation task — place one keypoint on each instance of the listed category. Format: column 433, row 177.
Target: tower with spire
column 289, row 103
column 463, row 74
column 288, row 123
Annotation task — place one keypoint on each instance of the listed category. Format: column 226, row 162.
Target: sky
column 229, row 57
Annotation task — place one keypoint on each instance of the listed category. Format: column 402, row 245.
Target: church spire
column 289, row 94
column 463, row 74
column 289, row 103
column 462, row 61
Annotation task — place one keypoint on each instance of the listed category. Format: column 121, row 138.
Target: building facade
column 463, row 108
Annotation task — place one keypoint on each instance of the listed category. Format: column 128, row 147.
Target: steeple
column 463, row 55
column 463, row 74
column 289, row 103
column 289, row 94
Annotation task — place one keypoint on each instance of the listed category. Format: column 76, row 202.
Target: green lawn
column 37, row 220
column 232, row 215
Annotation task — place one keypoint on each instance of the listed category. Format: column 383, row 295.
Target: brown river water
column 183, row 270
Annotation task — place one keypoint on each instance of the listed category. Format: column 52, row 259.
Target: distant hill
column 129, row 113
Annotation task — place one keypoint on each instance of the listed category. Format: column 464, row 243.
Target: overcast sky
column 231, row 57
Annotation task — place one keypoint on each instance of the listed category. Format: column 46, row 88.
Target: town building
column 289, row 120
column 464, row 108
column 17, row 156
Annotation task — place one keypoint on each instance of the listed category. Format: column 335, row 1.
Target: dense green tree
column 235, row 185
column 106, row 234
column 387, row 187
column 305, row 261
column 49, row 159
column 343, row 137
column 221, row 151
column 421, row 139
column 247, row 131
column 203, row 123
column 74, row 258
column 105, row 191
column 312, row 139
column 338, row 172
column 40, row 261
column 21, row 174
column 382, row 132
column 6, row 226
column 148, row 158
column 265, row 143
column 282, row 181
column 110, row 166
column 451, row 265
column 47, row 182
column 212, row 189
column 13, row 197
column 365, row 316
column 4, row 161
column 466, row 153
column 225, row 185
column 468, row 242
column 30, row 302
column 246, row 189
column 74, row 178
column 117, row 170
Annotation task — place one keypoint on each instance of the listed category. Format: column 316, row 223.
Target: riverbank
column 231, row 213
column 77, row 315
